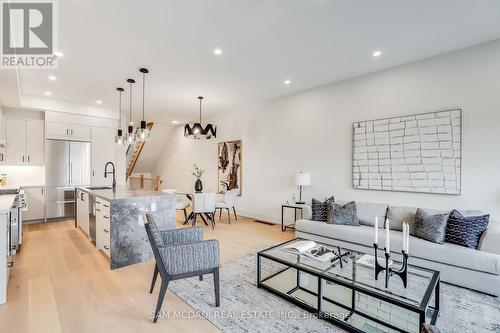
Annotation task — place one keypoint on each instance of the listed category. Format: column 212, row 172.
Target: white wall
column 311, row 131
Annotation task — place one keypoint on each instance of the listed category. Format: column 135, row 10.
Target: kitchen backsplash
column 24, row 175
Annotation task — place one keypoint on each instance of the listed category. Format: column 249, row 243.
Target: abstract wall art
column 230, row 166
column 416, row 153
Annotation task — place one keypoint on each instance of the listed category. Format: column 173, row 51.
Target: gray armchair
column 179, row 254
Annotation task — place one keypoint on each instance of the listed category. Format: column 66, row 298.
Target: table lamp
column 302, row 179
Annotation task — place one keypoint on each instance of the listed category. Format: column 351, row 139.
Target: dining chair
column 179, row 204
column 228, row 203
column 204, row 205
column 179, row 254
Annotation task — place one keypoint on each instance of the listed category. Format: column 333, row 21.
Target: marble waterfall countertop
column 121, row 192
column 128, row 240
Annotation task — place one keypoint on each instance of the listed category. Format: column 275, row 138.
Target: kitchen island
column 113, row 220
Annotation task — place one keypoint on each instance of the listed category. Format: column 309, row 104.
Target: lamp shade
column 303, row 179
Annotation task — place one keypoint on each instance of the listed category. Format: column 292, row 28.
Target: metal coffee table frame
column 433, row 286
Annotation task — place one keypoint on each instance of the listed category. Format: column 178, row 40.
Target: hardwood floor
column 60, row 283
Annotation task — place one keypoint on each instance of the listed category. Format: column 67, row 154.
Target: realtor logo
column 28, row 34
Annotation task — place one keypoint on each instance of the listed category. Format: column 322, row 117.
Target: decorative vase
column 198, row 186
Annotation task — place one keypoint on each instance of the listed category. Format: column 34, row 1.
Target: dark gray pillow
column 466, row 230
column 345, row 215
column 430, row 227
column 319, row 209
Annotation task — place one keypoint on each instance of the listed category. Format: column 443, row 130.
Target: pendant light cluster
column 197, row 131
column 133, row 135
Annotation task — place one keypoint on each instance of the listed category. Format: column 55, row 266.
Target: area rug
column 245, row 308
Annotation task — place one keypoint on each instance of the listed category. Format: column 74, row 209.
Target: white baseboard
column 256, row 216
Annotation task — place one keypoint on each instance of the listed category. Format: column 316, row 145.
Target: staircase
column 133, row 153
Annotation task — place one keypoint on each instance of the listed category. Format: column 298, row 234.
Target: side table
column 296, row 208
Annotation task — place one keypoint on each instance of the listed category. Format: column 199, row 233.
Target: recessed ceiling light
column 59, row 54
column 48, row 93
column 98, row 102
column 287, row 82
column 377, row 53
column 52, row 78
column 175, row 122
column 217, row 51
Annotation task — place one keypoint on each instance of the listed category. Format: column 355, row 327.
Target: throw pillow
column 345, row 215
column 319, row 209
column 430, row 227
column 466, row 230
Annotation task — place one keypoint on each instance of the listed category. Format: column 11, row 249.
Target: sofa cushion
column 367, row 212
column 430, row 227
column 346, row 215
column 319, row 209
column 466, row 230
column 399, row 214
column 446, row 253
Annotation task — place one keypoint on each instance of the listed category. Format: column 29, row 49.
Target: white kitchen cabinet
column 103, row 151
column 35, row 144
column 15, row 135
column 25, row 142
column 35, row 200
column 67, row 131
column 103, row 226
column 82, row 211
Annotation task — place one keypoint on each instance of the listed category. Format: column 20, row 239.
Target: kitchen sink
column 95, row 188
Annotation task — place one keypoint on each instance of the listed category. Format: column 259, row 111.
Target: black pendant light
column 119, row 137
column 143, row 131
column 197, row 131
column 130, row 129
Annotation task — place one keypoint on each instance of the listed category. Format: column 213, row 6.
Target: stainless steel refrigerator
column 67, row 165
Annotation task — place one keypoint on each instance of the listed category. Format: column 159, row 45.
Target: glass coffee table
column 348, row 295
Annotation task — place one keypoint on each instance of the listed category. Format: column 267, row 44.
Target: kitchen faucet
column 113, row 172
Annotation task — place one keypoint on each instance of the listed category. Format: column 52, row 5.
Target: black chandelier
column 197, row 131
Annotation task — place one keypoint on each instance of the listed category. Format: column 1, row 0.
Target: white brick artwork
column 418, row 153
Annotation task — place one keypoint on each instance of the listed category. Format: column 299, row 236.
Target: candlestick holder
column 402, row 272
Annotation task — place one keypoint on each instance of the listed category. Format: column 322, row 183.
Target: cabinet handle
column 67, row 131
column 106, row 247
column 105, row 230
column 10, row 264
column 106, row 206
column 23, row 158
column 71, row 131
column 42, row 190
column 28, row 158
column 97, row 209
column 106, row 217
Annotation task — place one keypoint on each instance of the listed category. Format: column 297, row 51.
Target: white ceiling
column 264, row 42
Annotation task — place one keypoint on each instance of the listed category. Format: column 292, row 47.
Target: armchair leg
column 194, row 220
column 213, row 220
column 216, row 287
column 228, row 215
column 201, row 277
column 234, row 210
column 155, row 275
column 185, row 214
column 220, row 213
column 161, row 296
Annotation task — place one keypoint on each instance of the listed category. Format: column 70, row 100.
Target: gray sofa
column 474, row 269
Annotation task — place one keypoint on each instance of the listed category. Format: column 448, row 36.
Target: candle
column 404, row 236
column 407, row 238
column 375, row 241
column 387, row 242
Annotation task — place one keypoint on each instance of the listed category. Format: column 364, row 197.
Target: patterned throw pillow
column 430, row 227
column 466, row 230
column 346, row 215
column 319, row 209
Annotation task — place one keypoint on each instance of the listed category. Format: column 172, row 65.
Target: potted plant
column 197, row 172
